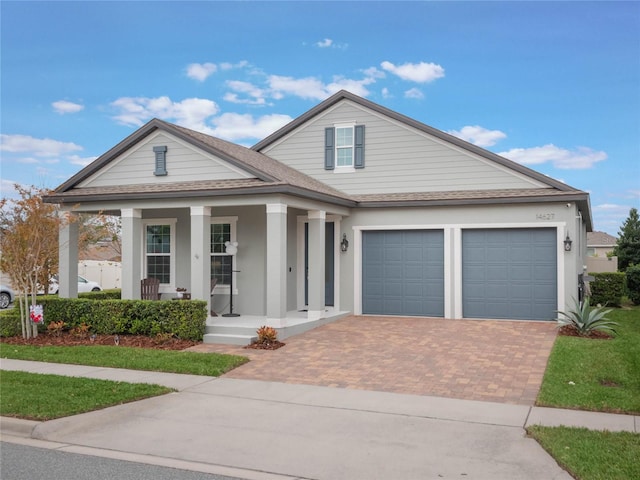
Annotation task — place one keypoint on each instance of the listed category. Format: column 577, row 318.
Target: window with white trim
column 159, row 250
column 344, row 146
column 223, row 229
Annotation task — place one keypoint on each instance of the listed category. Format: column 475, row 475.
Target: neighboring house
column 600, row 257
column 435, row 226
column 600, row 244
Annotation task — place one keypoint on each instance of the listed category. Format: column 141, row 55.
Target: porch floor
column 241, row 330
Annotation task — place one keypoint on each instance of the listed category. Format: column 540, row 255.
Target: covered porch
column 285, row 273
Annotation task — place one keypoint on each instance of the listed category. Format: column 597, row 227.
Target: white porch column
column 276, row 261
column 316, row 264
column 68, row 258
column 131, row 253
column 200, row 254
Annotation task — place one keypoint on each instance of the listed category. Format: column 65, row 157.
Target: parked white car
column 6, row 296
column 84, row 285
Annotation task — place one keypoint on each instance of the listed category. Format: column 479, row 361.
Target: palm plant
column 586, row 319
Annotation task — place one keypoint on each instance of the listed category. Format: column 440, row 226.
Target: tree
column 29, row 244
column 100, row 228
column 628, row 246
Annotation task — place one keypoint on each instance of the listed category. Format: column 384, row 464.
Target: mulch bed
column 67, row 339
column 570, row 331
column 266, row 345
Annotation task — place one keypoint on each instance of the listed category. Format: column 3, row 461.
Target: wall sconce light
column 344, row 244
column 567, row 244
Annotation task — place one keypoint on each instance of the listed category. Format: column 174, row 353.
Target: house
column 600, row 244
column 600, row 256
column 350, row 208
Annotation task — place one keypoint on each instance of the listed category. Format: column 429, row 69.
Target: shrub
column 586, row 319
column 607, row 288
column 112, row 294
column 267, row 335
column 184, row 320
column 633, row 283
column 10, row 324
column 56, row 328
column 81, row 331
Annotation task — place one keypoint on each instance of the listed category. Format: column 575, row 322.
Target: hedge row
column 182, row 319
column 633, row 283
column 607, row 288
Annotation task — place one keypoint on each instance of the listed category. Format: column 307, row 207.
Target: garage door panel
column 411, row 272
column 509, row 273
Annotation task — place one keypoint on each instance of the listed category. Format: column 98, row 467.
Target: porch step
column 228, row 338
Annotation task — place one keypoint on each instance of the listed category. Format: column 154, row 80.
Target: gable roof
column 271, row 176
column 601, row 239
column 345, row 95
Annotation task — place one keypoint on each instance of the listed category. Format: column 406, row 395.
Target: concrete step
column 228, row 339
column 230, row 329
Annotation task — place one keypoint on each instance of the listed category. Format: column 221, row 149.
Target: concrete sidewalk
column 273, row 430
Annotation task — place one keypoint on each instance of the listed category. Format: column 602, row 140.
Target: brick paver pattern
column 489, row 360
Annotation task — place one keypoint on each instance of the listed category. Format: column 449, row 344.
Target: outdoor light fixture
column 567, row 244
column 344, row 244
column 231, row 248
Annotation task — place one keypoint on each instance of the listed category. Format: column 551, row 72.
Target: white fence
column 107, row 274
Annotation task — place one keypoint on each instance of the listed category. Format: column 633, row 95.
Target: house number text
column 545, row 216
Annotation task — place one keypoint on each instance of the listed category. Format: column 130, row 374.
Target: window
column 344, row 147
column 159, row 241
column 223, row 229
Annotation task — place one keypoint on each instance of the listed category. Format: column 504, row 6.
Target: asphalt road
column 20, row 462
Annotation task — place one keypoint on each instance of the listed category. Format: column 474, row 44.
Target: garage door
column 403, row 272
column 509, row 273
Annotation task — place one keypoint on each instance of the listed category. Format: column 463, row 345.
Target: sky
column 552, row 85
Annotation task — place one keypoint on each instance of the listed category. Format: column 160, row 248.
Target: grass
column 592, row 455
column 36, row 396
column 600, row 375
column 210, row 364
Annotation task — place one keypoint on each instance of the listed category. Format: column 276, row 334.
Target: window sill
column 344, row 170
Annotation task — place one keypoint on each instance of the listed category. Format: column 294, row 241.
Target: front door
column 329, row 244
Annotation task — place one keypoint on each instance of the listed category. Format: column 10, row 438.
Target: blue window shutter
column 161, row 161
column 329, row 148
column 358, row 144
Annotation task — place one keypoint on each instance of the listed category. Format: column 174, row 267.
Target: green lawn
column 35, row 396
column 590, row 454
column 210, row 364
column 602, row 375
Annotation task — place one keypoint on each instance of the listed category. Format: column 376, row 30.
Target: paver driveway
column 499, row 361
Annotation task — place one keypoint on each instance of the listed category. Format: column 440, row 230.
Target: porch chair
column 214, row 282
column 149, row 289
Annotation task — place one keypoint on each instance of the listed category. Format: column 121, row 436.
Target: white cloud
column 190, row 112
column 479, row 135
column 373, row 72
column 326, row 43
column 201, row 71
column 231, row 66
column 82, row 161
column 579, row 158
column 414, row 93
column 257, row 94
column 415, row 72
column 234, row 126
column 314, row 89
column 308, row 88
column 63, row 106
column 8, row 188
column 386, row 93
column 40, row 147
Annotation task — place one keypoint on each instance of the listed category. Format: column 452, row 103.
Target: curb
column 17, row 426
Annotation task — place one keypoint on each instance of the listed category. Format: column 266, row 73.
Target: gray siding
column 398, row 158
column 184, row 163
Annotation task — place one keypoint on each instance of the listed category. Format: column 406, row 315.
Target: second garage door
column 509, row 273
column 403, row 272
